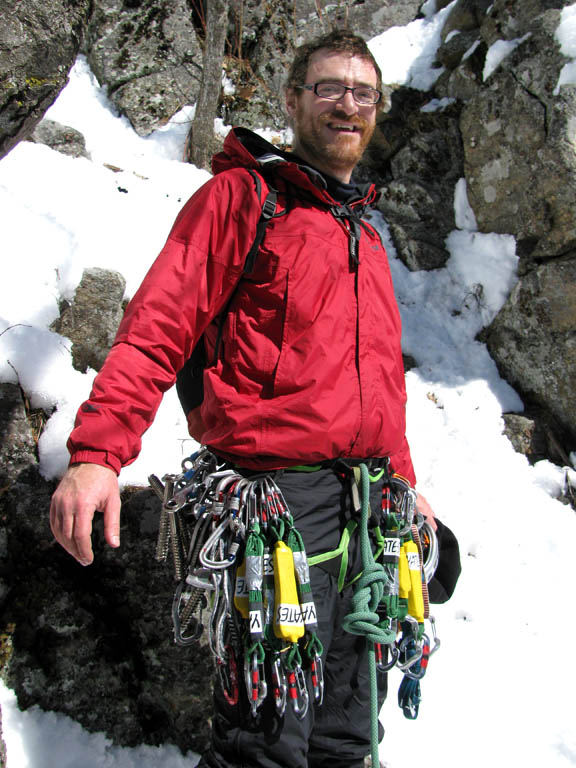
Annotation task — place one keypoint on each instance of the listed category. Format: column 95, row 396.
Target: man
column 308, row 369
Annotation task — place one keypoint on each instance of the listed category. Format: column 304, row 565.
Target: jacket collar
column 245, row 149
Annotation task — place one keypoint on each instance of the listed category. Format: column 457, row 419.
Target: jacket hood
column 245, row 149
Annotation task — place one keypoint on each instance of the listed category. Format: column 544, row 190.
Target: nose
column 348, row 104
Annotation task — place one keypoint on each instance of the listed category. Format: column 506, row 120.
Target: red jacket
column 310, row 364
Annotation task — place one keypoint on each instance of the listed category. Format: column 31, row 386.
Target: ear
column 290, row 96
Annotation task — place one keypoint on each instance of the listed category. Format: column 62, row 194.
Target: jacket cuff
column 103, row 458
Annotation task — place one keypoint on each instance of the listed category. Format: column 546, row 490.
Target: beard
column 344, row 151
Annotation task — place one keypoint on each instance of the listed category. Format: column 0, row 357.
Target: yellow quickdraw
column 410, row 578
column 288, row 622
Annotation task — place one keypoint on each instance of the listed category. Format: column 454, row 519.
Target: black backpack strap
column 267, row 213
column 189, row 381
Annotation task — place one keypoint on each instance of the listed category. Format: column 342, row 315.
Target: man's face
column 332, row 135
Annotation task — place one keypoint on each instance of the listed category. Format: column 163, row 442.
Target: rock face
column 520, row 168
column 94, row 643
column 534, row 338
column 38, row 45
column 148, row 55
column 419, row 157
column 517, row 138
column 502, row 124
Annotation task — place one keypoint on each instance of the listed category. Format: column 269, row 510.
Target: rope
column 363, row 618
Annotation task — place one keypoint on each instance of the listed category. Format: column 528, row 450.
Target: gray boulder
column 61, row 138
column 521, row 175
column 537, row 435
column 91, row 321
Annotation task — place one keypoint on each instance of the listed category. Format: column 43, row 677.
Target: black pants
column 336, row 734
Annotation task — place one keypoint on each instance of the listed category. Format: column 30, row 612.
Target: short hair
column 339, row 40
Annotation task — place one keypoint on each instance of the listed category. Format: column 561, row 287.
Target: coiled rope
column 363, row 617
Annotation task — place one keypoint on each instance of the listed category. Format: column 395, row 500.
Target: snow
column 437, row 105
column 566, row 36
column 406, row 54
column 493, row 694
column 498, row 52
column 37, row 739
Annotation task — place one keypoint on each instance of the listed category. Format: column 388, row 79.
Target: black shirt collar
column 338, row 190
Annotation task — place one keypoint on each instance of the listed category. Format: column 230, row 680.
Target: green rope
column 363, row 618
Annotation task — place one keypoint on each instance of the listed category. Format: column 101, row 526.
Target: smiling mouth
column 344, row 127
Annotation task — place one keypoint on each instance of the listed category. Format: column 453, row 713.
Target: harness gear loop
column 341, row 551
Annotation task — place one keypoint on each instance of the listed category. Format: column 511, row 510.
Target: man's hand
column 84, row 489
column 425, row 509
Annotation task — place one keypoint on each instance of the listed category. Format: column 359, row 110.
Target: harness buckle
column 269, row 208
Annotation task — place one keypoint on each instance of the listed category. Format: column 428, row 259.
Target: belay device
column 241, row 569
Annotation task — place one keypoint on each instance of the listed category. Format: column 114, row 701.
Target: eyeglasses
column 362, row 94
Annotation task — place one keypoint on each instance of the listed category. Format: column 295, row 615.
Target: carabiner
column 435, row 637
column 200, row 578
column 317, row 674
column 415, row 657
column 280, row 686
column 255, row 682
column 380, row 663
column 417, row 671
column 228, row 671
column 210, row 562
column 298, row 692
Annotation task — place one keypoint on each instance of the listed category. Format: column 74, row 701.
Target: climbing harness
column 242, row 573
